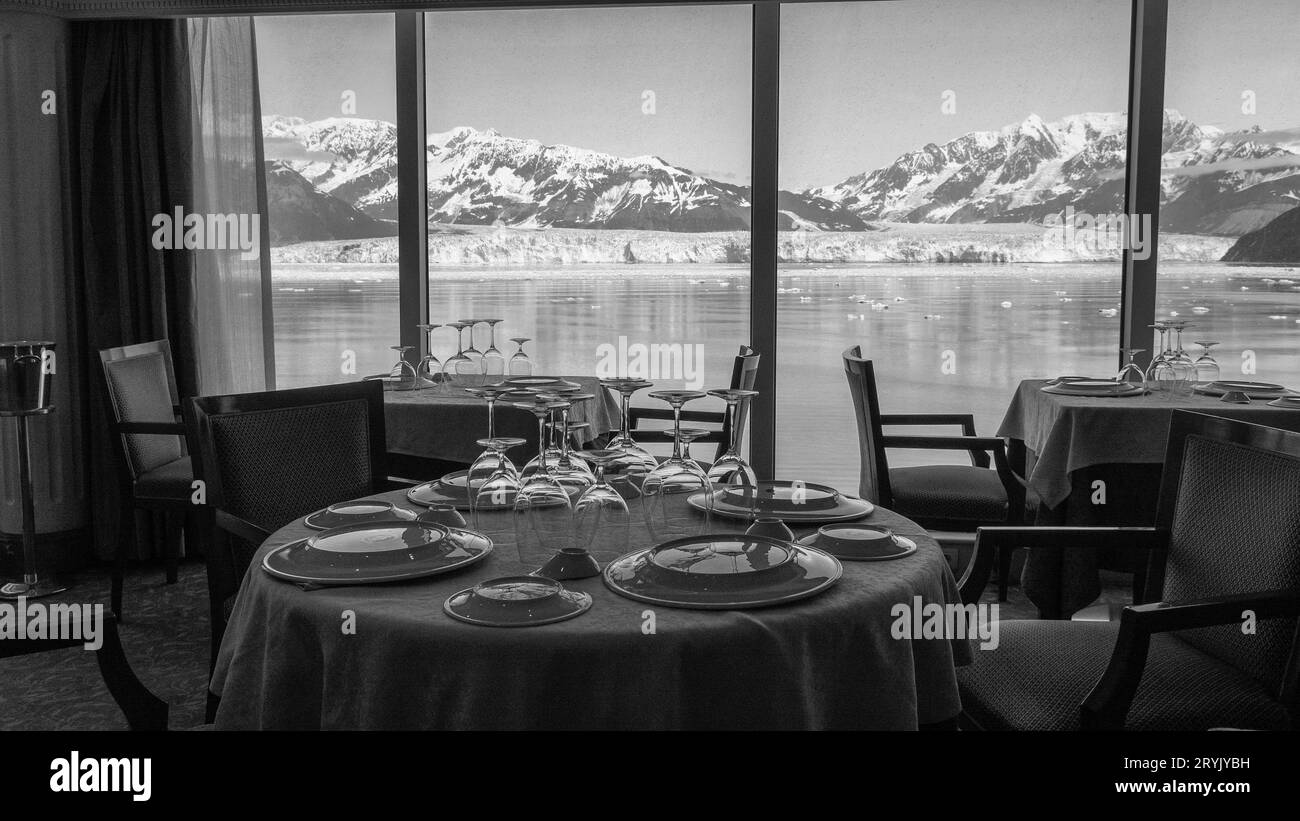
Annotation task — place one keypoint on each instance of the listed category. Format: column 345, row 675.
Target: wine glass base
column 570, row 563
column 31, row 590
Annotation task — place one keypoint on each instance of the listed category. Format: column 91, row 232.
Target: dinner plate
column 728, row 571
column 552, row 382
column 1254, row 390
column 790, row 501
column 860, row 543
column 451, row 489
column 377, row 552
column 516, row 601
column 1093, row 387
column 359, row 512
column 1286, row 402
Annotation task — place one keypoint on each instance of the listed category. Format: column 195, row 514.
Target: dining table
column 386, row 656
column 1097, row 461
column 443, row 422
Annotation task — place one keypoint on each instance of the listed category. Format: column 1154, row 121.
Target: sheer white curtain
column 232, row 317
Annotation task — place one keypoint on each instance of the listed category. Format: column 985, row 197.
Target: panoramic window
column 328, row 90
column 943, row 168
column 588, row 176
column 1231, row 186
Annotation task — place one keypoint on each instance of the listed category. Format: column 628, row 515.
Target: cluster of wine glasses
column 572, row 505
column 1172, row 370
column 469, row 366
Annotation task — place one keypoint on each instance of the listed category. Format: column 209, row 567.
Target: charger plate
column 728, row 571
column 1094, row 387
column 790, row 501
column 1254, row 390
column 377, row 552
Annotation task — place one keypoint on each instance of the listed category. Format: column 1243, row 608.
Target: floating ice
column 900, row 299
column 1109, row 312
column 1277, row 316
column 1200, row 309
column 1006, row 304
column 934, row 316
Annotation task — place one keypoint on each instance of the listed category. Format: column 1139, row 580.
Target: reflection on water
column 943, row 337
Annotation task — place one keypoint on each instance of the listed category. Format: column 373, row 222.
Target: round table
column 290, row 661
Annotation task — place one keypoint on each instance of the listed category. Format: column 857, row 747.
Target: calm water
column 940, row 335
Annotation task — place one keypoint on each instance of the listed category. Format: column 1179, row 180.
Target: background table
column 826, row 662
column 433, row 424
column 1070, row 442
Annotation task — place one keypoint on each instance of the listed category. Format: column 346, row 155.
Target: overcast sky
column 861, row 82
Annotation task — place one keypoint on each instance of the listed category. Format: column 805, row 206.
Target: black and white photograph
column 927, row 367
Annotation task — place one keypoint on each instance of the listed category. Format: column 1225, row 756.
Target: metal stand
column 32, row 586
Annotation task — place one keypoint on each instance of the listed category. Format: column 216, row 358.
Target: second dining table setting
column 561, row 583
column 1091, row 449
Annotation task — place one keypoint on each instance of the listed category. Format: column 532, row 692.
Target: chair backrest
column 873, row 482
column 271, row 457
column 1230, row 500
column 142, row 388
column 744, row 374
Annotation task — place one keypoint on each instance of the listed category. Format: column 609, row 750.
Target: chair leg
column 125, row 537
column 143, row 709
column 210, row 714
column 1004, row 572
column 171, row 546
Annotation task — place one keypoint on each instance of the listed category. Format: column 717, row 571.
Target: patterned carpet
column 165, row 636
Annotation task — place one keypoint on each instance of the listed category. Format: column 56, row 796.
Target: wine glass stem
column 626, row 433
column 677, row 432
column 733, row 446
column 492, row 426
column 541, row 443
column 564, row 436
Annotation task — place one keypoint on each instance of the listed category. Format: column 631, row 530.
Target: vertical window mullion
column 763, row 232
column 412, row 188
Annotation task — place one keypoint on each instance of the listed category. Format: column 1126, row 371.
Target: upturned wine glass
column 429, row 371
column 1158, row 374
column 1183, row 364
column 493, row 481
column 457, row 363
column 601, row 518
column 494, row 362
column 519, row 363
column 1207, row 367
column 730, row 471
column 490, row 394
column 543, row 512
column 635, row 462
column 669, row 487
column 474, row 354
column 402, row 375
column 1131, row 373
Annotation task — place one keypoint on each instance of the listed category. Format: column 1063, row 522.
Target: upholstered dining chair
column 156, row 471
column 954, row 498
column 744, row 373
column 269, row 458
column 1184, row 656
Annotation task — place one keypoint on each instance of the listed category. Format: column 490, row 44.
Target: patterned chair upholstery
column 1229, row 532
column 270, row 458
column 156, row 471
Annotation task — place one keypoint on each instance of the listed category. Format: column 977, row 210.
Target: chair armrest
column 1107, row 704
column 170, row 428
column 966, row 421
column 988, row 540
column 242, row 528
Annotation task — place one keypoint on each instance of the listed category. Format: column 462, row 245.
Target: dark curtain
column 131, row 145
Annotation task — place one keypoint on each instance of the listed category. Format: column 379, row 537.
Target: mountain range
column 338, row 178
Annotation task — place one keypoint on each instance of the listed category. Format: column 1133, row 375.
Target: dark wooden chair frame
column 1107, row 705
column 743, row 372
column 129, row 503
column 143, row 709
column 223, row 525
column 978, row 447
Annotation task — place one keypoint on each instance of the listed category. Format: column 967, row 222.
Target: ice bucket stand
column 32, row 586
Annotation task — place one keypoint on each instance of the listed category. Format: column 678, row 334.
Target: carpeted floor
column 165, row 636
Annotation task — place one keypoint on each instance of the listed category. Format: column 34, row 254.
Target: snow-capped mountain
column 486, row 178
column 1214, row 182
